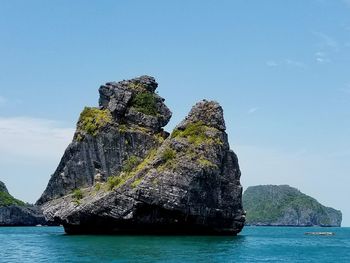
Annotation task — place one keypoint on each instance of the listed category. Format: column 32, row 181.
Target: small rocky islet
column 14, row 212
column 124, row 174
column 282, row 205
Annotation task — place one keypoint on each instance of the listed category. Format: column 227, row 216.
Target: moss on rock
column 132, row 167
column 77, row 194
column 130, row 164
column 6, row 200
column 168, row 154
column 114, row 182
column 197, row 133
column 206, row 163
column 92, row 120
column 146, row 103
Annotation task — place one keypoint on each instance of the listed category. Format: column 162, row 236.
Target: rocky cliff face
column 14, row 212
column 128, row 123
column 272, row 205
column 130, row 176
column 21, row 216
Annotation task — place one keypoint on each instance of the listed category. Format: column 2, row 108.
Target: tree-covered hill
column 6, row 199
column 282, row 205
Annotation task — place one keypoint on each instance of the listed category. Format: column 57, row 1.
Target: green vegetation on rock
column 6, row 200
column 128, row 171
column 206, row 163
column 284, row 205
column 197, row 133
column 136, row 182
column 168, row 154
column 77, row 194
column 98, row 186
column 145, row 162
column 146, row 103
column 92, row 120
column 132, row 167
column 137, row 86
column 114, row 182
column 130, row 164
column 123, row 128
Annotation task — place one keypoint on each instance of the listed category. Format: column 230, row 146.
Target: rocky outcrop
column 128, row 123
column 14, row 212
column 282, row 205
column 186, row 182
column 27, row 215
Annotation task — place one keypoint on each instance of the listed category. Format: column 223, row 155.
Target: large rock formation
column 128, row 123
column 124, row 174
column 282, row 205
column 14, row 212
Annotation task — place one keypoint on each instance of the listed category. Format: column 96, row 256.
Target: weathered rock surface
column 186, row 182
column 21, row 216
column 14, row 212
column 102, row 143
column 282, row 205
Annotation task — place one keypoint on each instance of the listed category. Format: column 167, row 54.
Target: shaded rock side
column 128, row 123
column 14, row 212
column 188, row 184
column 282, row 205
column 21, row 216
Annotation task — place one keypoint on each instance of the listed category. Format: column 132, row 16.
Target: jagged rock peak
column 135, row 102
column 146, row 82
column 3, row 187
column 127, row 125
column 210, row 113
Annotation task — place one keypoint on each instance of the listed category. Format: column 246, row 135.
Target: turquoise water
column 254, row 244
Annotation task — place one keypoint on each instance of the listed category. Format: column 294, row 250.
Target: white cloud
column 286, row 62
column 271, row 63
column 322, row 58
column 252, row 110
column 30, row 150
column 35, row 138
column 320, row 54
column 327, row 41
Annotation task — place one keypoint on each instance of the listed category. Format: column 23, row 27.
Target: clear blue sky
column 279, row 68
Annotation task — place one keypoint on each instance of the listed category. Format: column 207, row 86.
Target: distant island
column 14, row 212
column 282, row 205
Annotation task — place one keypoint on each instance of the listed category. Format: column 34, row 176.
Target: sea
column 253, row 244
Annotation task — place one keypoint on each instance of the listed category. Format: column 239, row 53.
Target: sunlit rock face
column 186, row 182
column 107, row 136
